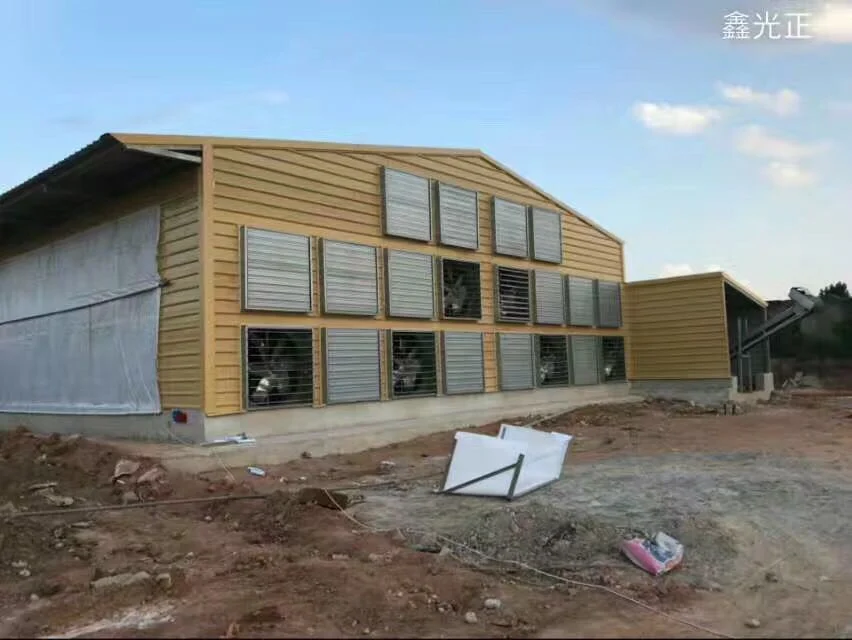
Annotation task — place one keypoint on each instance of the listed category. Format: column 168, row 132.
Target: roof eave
column 743, row 289
column 691, row 276
column 173, row 141
column 103, row 144
column 721, row 275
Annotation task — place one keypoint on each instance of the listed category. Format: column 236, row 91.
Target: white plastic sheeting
column 519, row 460
column 79, row 322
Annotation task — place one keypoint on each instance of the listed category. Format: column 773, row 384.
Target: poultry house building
column 331, row 296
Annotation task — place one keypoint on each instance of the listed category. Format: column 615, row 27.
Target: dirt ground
column 762, row 502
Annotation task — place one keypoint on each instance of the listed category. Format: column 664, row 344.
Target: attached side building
column 683, row 331
column 100, row 274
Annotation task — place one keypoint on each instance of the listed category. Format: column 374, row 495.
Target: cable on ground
column 527, row 567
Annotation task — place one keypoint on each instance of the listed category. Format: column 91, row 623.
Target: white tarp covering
column 487, row 466
column 79, row 322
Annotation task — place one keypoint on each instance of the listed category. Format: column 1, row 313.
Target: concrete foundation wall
column 158, row 428
column 766, row 385
column 710, row 391
column 284, row 434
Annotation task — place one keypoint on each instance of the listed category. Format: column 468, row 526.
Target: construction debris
column 124, row 468
column 154, row 475
column 657, row 555
column 515, row 462
column 57, row 500
column 41, row 486
column 122, row 580
column 386, row 466
column 240, row 439
column 730, row 408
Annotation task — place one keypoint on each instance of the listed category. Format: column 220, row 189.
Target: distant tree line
column 827, row 333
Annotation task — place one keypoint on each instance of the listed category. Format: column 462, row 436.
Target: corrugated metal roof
column 101, row 170
column 180, row 140
column 104, row 143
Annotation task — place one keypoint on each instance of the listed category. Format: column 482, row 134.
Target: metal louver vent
column 547, row 235
column 461, row 296
column 513, row 294
column 458, row 216
column 553, row 364
column 549, row 298
column 278, row 366
column 407, row 206
column 609, row 304
column 352, row 365
column 464, row 369
column 276, row 271
column 516, row 361
column 414, row 370
column 584, row 357
column 581, row 302
column 410, row 284
column 510, row 228
column 349, row 278
column 614, row 364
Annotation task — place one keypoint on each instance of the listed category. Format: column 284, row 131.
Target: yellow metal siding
column 677, row 329
column 179, row 362
column 336, row 194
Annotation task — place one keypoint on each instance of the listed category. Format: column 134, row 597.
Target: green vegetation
column 825, row 334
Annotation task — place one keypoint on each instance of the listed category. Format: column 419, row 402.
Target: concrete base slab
column 709, row 391
column 284, row 434
column 158, row 428
column 767, row 386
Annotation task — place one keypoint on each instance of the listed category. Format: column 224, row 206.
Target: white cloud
column 674, row 270
column 839, row 106
column 783, row 103
column 681, row 120
column 755, row 141
column 789, row 175
column 833, row 23
column 683, row 269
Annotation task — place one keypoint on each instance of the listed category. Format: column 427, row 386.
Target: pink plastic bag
column 656, row 556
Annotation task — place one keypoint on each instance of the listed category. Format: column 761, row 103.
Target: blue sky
column 699, row 152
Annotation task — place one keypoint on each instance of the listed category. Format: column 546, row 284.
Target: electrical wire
column 527, row 567
column 450, row 541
